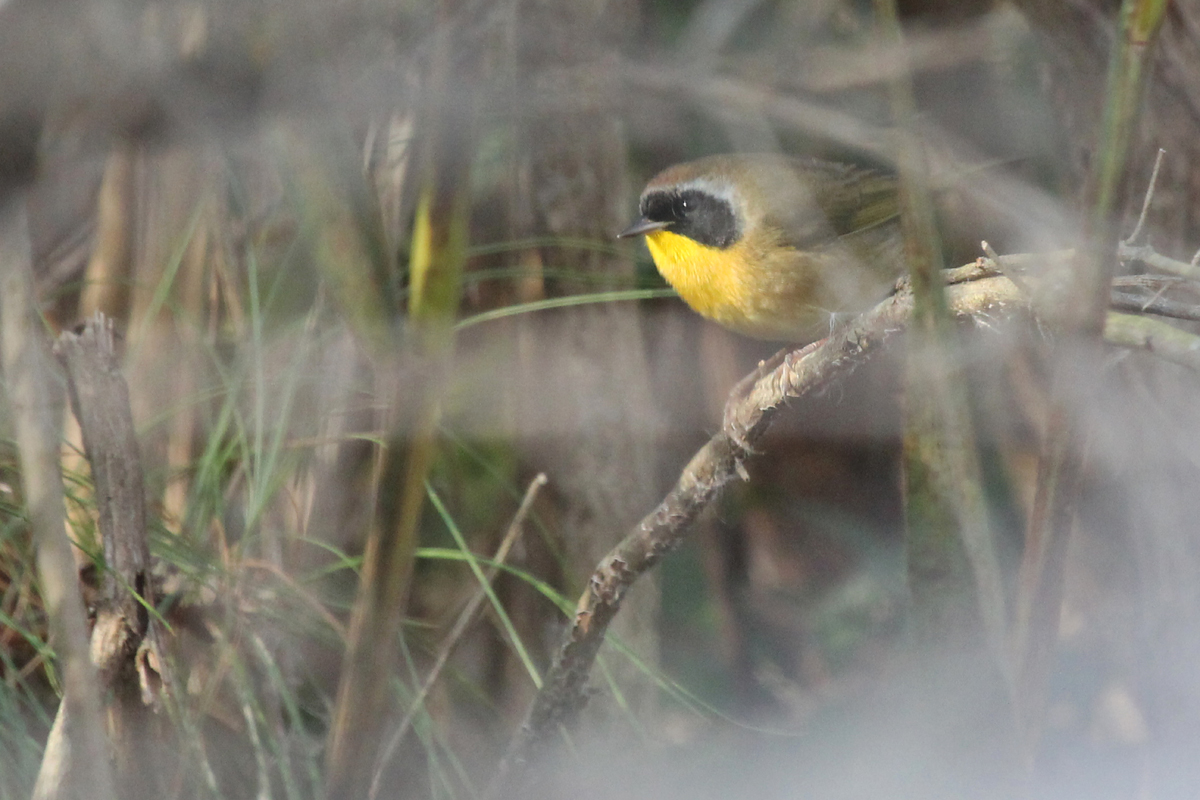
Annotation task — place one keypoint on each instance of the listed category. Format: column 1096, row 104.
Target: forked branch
column 974, row 291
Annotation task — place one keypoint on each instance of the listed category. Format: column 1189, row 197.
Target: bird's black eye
column 682, row 205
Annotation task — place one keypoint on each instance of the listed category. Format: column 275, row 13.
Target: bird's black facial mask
column 695, row 214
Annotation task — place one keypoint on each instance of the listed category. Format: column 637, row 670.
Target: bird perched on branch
column 771, row 246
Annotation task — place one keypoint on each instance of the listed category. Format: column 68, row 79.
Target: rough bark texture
column 125, row 644
column 711, row 470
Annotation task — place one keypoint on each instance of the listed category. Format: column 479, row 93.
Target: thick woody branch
column 975, row 290
column 1154, row 336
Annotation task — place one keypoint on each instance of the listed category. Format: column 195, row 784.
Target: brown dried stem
column 75, row 763
column 465, row 618
column 953, row 570
column 1083, row 297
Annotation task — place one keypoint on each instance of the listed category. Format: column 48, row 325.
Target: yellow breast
column 737, row 287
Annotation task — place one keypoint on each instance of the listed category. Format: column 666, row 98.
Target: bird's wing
column 854, row 199
column 820, row 201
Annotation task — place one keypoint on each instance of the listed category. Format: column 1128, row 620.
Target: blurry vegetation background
column 361, row 261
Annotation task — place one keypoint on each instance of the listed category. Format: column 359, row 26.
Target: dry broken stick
column 124, row 644
column 100, row 401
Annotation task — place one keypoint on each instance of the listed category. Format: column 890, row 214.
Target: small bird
column 772, row 246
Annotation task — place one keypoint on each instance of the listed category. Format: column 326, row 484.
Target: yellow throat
column 707, row 278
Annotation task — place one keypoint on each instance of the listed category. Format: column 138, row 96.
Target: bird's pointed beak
column 641, row 227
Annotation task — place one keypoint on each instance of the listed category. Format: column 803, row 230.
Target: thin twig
column 1158, row 306
column 465, row 618
column 1152, row 258
column 1152, row 300
column 1144, row 294
column 1135, row 237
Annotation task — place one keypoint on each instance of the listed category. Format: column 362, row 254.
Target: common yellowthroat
column 771, row 246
